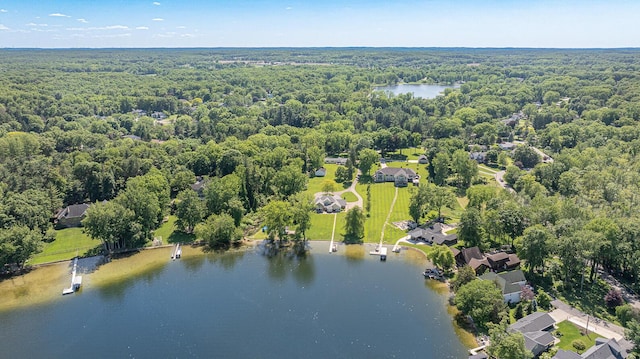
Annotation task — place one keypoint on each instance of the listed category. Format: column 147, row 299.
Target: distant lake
column 418, row 90
column 245, row 305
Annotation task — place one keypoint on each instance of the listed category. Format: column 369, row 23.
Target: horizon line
column 325, row 47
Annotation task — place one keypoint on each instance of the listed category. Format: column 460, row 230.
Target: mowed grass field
column 322, row 225
column 167, row 232
column 570, row 333
column 381, row 198
column 314, row 185
column 69, row 242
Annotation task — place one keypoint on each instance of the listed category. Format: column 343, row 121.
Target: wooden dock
column 76, row 280
column 332, row 246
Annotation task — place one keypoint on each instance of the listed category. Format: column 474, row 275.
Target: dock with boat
column 76, row 280
column 381, row 251
column 177, row 252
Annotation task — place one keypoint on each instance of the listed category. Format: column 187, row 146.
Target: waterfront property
column 433, row 234
column 496, row 261
column 330, row 204
column 71, row 216
column 510, row 283
column 536, row 329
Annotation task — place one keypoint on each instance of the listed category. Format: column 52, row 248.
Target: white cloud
column 83, row 21
column 142, row 28
column 3, row 10
column 111, row 36
column 181, row 27
column 157, row 19
column 156, row 3
column 288, row 8
column 112, row 27
column 57, row 14
column 2, row 27
column 188, row 36
column 115, row 27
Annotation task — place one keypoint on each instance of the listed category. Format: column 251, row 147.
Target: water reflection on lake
column 243, row 304
column 418, row 90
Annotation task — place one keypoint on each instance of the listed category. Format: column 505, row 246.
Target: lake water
column 418, row 90
column 245, row 305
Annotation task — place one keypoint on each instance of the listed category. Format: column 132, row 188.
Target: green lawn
column 411, row 153
column 168, row 233
column 315, row 184
column 485, row 168
column 322, row 225
column 349, row 197
column 381, row 198
column 570, row 332
column 69, row 242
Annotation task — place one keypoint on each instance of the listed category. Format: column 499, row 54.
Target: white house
column 510, row 283
column 400, row 176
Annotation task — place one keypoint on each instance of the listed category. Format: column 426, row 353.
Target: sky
column 319, row 23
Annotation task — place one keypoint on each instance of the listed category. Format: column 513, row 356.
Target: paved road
column 538, row 151
column 500, row 179
column 352, row 189
column 564, row 312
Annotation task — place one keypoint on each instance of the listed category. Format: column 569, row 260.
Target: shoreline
column 37, row 287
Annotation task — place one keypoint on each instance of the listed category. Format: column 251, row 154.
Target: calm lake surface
column 245, row 305
column 418, row 90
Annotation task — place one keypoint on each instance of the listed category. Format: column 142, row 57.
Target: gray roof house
column 71, row 216
column 329, row 204
column 336, row 160
column 536, row 329
column 423, row 160
column 510, row 283
column 400, row 176
column 479, row 157
column 507, row 146
column 433, row 235
column 320, row 172
column 604, row 349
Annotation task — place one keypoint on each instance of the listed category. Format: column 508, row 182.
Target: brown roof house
column 71, row 216
column 400, row 176
column 480, row 262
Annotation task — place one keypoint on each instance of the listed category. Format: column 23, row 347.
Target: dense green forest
column 89, row 126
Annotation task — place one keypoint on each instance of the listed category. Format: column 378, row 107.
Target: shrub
column 519, row 312
column 613, row 298
column 625, row 313
column 544, row 300
column 579, row 345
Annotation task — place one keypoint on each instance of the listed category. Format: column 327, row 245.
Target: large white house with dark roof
column 400, row 176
